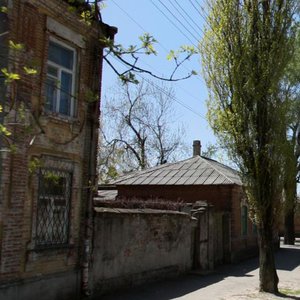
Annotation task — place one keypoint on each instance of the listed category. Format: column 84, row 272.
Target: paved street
column 238, row 281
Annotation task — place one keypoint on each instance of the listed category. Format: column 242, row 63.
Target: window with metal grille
column 53, row 207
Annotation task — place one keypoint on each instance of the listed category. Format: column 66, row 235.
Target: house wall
column 132, row 246
column 219, row 196
column 224, row 198
column 43, row 139
column 242, row 245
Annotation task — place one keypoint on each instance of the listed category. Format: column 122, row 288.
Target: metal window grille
column 53, row 207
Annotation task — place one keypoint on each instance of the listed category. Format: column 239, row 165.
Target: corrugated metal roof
column 197, row 170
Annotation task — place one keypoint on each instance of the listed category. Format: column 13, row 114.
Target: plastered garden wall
column 134, row 245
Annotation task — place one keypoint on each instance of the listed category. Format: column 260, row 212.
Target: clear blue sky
column 172, row 23
column 133, row 18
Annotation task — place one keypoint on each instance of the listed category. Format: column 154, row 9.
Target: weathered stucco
column 131, row 246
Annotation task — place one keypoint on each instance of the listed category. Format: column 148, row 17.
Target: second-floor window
column 60, row 82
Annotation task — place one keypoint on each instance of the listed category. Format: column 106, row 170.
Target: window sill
column 72, row 123
column 40, row 248
column 63, row 253
column 55, row 117
column 37, row 252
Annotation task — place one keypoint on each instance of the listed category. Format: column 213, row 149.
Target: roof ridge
column 146, row 171
column 220, row 172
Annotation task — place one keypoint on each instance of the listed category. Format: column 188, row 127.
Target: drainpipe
column 94, row 110
column 88, row 235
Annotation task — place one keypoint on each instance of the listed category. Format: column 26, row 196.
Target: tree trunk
column 289, row 227
column 268, row 279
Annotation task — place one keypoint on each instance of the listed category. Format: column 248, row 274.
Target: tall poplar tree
column 246, row 48
column 291, row 94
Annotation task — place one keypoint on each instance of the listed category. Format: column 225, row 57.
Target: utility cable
column 186, row 19
column 174, row 24
column 178, row 20
column 141, row 27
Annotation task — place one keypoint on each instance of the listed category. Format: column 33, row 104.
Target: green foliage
column 29, row 71
column 130, row 56
column 3, row 130
column 15, row 46
column 34, row 164
column 146, row 46
column 90, row 96
column 3, row 9
column 128, row 77
column 52, row 177
column 87, row 17
column 109, row 163
column 9, row 76
column 291, row 170
column 245, row 52
column 13, row 148
column 289, row 292
column 148, row 42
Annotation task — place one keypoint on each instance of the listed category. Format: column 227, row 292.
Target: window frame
column 73, row 72
column 46, row 236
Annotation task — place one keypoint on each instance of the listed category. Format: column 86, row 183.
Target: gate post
column 203, row 242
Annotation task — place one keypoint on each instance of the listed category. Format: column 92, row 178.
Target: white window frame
column 73, row 106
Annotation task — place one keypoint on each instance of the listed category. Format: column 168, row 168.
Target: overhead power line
column 184, row 16
column 145, row 30
column 198, row 10
column 129, row 16
column 174, row 24
column 179, row 21
column 173, row 98
column 188, row 15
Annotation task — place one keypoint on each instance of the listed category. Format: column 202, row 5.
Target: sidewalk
column 237, row 282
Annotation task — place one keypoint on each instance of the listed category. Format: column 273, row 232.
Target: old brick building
column 48, row 162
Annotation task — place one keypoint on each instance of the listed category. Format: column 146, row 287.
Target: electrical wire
column 174, row 24
column 184, row 11
column 186, row 19
column 178, row 20
column 163, row 46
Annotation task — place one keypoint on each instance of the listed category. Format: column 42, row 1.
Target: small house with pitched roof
column 195, row 180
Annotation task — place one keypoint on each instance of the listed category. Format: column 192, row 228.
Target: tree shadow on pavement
column 287, row 258
column 282, row 295
column 180, row 286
